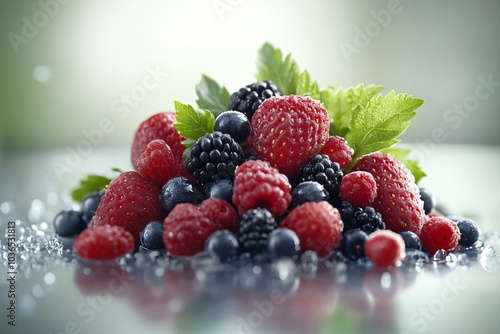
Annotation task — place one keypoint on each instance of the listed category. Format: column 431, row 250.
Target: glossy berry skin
column 151, row 236
column 308, row 191
column 359, row 188
column 157, row 162
column 224, row 245
column 469, row 232
column 412, row 241
column 429, row 200
column 352, row 244
column 283, row 242
column 234, row 123
column 180, row 190
column 338, row 150
column 384, row 248
column 222, row 189
column 439, row 233
column 90, row 204
column 69, row 223
column 103, row 243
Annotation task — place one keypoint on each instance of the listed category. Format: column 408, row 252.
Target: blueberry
column 352, row 244
column 151, row 236
column 412, row 241
column 470, row 232
column 89, row 205
column 180, row 190
column 234, row 123
column 69, row 223
column 308, row 191
column 224, row 245
column 283, row 242
column 220, row 189
column 429, row 200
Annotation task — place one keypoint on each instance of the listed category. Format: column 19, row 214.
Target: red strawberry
column 130, row 201
column 398, row 198
column 157, row 162
column 288, row 130
column 318, row 226
column 338, row 150
column 103, row 243
column 158, row 126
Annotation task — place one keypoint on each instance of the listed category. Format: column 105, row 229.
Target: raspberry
column 287, row 131
column 440, row 233
column 384, row 248
column 398, row 199
column 157, row 162
column 318, row 226
column 338, row 150
column 214, row 156
column 257, row 184
column 366, row 219
column 104, row 242
column 220, row 212
column 320, row 169
column 159, row 126
column 131, row 201
column 253, row 232
column 359, row 188
column 186, row 229
column 250, row 97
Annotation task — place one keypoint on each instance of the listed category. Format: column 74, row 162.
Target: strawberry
column 130, row 201
column 398, row 199
column 288, row 130
column 157, row 162
column 159, row 126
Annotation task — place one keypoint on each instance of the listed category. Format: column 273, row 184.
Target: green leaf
column 378, row 125
column 306, row 87
column 341, row 103
column 402, row 155
column 91, row 183
column 211, row 96
column 192, row 123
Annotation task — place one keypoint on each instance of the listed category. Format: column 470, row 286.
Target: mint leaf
column 341, row 103
column 211, row 96
column 192, row 123
column 378, row 124
column 91, row 183
column 402, row 155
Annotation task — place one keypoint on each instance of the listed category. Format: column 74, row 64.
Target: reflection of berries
column 253, row 232
column 359, row 188
column 103, row 243
column 439, row 233
column 366, row 219
column 384, row 248
column 250, row 97
column 327, row 173
column 214, row 156
column 338, row 150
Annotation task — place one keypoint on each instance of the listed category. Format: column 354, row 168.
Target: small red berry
column 384, row 248
column 338, row 150
column 103, row 243
column 220, row 212
column 359, row 188
column 157, row 162
column 439, row 233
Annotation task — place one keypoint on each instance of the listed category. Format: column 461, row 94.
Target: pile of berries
column 269, row 182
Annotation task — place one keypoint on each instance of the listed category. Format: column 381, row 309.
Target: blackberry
column 214, row 156
column 253, row 232
column 327, row 173
column 249, row 98
column 365, row 219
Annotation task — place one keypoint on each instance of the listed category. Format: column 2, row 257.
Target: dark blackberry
column 327, row 173
column 253, row 232
column 249, row 98
column 365, row 219
column 214, row 156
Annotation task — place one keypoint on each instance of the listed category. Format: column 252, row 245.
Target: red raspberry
column 130, row 201
column 440, row 233
column 187, row 229
column 338, row 150
column 398, row 197
column 359, row 188
column 288, row 130
column 384, row 248
column 157, row 162
column 258, row 184
column 159, row 126
column 221, row 212
column 105, row 242
column 318, row 226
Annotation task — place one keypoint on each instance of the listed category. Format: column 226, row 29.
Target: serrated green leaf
column 91, row 183
column 341, row 103
column 402, row 155
column 377, row 125
column 192, row 123
column 212, row 96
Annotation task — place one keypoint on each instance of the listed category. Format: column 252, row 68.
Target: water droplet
column 42, row 73
column 49, row 278
column 490, row 260
column 386, row 280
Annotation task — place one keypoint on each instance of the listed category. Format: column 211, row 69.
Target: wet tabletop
column 154, row 293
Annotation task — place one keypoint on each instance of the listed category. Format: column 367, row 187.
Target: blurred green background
column 67, row 65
